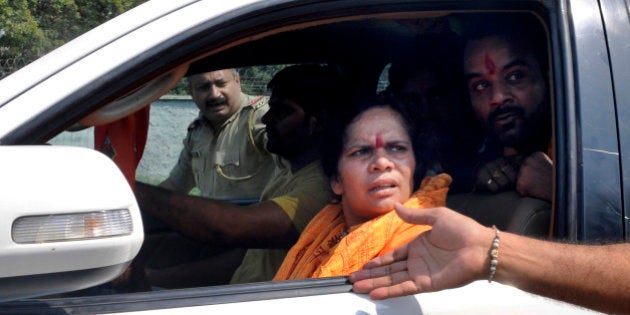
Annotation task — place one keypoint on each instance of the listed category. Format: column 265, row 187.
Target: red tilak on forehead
column 379, row 141
column 490, row 66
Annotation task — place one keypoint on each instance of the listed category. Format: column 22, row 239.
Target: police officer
column 224, row 156
column 224, row 151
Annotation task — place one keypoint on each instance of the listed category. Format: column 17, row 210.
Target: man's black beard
column 518, row 110
column 535, row 133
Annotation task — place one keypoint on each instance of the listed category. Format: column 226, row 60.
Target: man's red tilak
column 490, row 66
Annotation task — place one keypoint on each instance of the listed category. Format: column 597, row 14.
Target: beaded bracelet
column 494, row 254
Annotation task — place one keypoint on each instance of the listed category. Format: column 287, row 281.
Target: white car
column 71, row 222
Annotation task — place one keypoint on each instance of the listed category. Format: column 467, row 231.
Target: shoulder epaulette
column 258, row 101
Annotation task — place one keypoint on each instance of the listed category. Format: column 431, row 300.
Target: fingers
column 508, row 172
column 384, row 283
column 535, row 178
column 538, row 160
column 378, row 272
column 426, row 216
column 402, row 289
column 385, row 270
column 514, row 160
column 366, row 280
column 498, row 175
column 488, row 178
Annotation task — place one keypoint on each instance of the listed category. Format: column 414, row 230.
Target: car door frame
column 588, row 191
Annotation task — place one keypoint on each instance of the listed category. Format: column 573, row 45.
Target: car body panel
column 476, row 298
column 588, row 123
column 599, row 156
column 320, row 296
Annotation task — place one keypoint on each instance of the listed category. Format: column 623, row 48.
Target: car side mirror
column 69, row 220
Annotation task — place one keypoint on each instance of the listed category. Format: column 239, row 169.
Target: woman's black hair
column 422, row 138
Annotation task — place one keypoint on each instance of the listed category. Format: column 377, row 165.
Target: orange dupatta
column 324, row 249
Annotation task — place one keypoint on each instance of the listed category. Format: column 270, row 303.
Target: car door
column 173, row 40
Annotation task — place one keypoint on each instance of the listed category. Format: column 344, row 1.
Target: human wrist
column 484, row 244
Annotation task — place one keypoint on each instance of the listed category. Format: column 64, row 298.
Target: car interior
column 363, row 48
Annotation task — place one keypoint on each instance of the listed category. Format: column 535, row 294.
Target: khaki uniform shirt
column 301, row 195
column 230, row 163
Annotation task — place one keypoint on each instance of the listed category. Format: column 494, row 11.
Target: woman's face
column 376, row 165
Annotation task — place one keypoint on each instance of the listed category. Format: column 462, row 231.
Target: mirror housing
column 70, row 220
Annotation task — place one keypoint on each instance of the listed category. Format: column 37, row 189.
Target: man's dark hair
column 437, row 53
column 524, row 30
column 316, row 88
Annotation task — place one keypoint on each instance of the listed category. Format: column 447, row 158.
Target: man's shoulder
column 255, row 102
column 302, row 194
column 198, row 131
column 308, row 178
column 195, row 124
column 312, row 170
column 198, row 123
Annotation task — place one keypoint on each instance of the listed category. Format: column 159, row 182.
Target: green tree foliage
column 30, row 28
column 20, row 37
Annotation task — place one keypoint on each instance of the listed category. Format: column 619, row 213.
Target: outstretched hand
column 452, row 254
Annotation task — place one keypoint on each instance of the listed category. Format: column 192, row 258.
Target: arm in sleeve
column 181, row 177
column 305, row 200
column 258, row 132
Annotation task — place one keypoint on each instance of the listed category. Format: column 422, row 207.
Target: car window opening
column 449, row 77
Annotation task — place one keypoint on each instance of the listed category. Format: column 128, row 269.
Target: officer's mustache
column 216, row 102
column 506, row 109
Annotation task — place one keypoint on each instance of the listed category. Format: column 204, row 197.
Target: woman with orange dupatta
column 373, row 166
